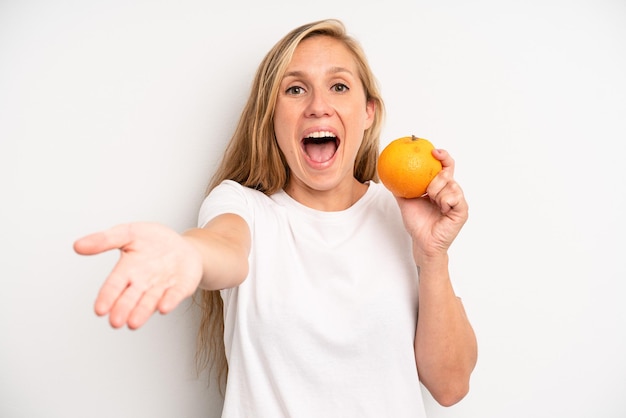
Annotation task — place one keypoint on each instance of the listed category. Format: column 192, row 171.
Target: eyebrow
column 332, row 70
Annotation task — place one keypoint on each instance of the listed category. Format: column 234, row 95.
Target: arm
column 224, row 245
column 445, row 344
column 158, row 267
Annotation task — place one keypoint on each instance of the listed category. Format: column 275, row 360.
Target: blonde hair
column 253, row 158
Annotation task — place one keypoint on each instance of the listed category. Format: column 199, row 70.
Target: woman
column 308, row 268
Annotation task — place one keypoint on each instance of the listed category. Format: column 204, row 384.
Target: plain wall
column 116, row 111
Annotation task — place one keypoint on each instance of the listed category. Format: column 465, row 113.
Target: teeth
column 321, row 134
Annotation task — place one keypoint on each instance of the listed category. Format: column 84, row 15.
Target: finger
column 447, row 162
column 124, row 305
column 172, row 298
column 437, row 184
column 451, row 198
column 116, row 237
column 113, row 287
column 146, row 306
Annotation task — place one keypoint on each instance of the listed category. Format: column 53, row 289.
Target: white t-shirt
column 324, row 324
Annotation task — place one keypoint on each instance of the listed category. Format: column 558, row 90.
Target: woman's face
column 320, row 116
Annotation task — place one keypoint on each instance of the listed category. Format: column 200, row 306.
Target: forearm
column 224, row 263
column 445, row 344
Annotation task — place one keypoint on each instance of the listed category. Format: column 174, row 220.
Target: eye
column 340, row 88
column 294, row 90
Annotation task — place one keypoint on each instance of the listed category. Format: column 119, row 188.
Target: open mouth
column 321, row 146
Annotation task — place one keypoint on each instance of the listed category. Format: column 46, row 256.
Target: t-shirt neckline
column 282, row 198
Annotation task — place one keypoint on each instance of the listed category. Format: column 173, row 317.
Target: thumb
column 116, row 237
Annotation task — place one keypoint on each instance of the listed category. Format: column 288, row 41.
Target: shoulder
column 230, row 197
column 381, row 198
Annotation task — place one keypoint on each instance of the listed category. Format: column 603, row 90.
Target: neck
column 339, row 198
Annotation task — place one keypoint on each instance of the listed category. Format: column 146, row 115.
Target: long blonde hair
column 253, row 158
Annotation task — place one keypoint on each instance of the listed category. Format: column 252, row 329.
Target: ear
column 370, row 111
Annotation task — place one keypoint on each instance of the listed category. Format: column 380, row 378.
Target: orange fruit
column 406, row 166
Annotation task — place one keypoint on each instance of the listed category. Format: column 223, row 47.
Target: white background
column 115, row 111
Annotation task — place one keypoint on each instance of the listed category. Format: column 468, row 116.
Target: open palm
column 156, row 270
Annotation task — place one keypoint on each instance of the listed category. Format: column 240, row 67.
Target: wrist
column 433, row 274
column 425, row 261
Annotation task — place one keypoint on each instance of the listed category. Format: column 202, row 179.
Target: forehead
column 322, row 50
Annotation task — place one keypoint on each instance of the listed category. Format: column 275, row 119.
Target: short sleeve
column 227, row 197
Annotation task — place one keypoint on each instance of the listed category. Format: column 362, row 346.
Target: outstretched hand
column 156, row 270
column 435, row 219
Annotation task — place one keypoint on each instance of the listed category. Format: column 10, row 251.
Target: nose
column 319, row 105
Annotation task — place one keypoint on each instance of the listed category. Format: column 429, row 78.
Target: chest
column 340, row 282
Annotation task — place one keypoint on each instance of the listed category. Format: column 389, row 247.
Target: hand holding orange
column 406, row 166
